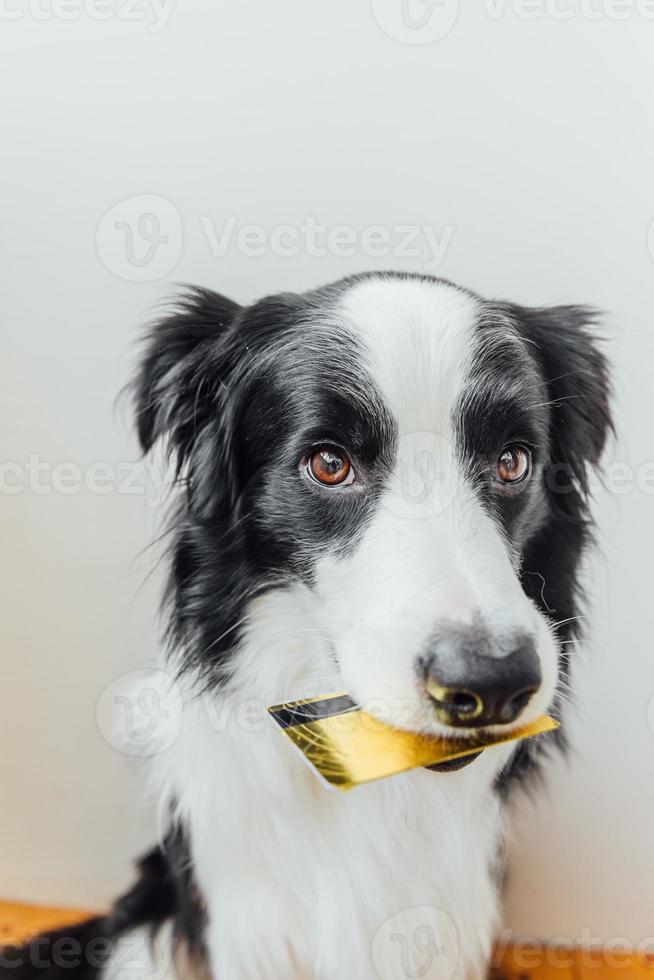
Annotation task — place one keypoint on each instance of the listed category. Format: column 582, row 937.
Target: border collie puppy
column 382, row 490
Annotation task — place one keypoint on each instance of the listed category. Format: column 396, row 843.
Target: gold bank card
column 347, row 747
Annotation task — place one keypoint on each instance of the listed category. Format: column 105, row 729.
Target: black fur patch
column 562, row 341
column 240, row 395
column 164, row 890
column 78, row 952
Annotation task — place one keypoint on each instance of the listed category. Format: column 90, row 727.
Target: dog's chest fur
column 302, row 882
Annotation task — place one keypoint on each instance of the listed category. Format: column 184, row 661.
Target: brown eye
column 514, row 465
column 330, row 466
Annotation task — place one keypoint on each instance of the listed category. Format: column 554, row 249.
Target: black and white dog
column 383, row 490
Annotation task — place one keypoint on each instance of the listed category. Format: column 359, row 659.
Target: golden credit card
column 348, row 747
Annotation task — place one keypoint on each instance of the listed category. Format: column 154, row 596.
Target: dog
column 382, row 488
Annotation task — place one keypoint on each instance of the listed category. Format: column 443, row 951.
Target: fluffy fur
column 280, row 588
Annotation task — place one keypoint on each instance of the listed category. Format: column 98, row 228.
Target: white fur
column 303, row 883
column 431, row 553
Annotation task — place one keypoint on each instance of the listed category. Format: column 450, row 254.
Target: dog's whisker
column 564, row 622
column 554, row 401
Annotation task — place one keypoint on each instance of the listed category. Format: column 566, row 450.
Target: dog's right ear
column 181, row 386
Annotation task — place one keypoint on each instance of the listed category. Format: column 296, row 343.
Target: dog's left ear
column 183, row 394
column 564, row 341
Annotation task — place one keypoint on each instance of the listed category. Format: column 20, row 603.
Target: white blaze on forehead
column 419, row 337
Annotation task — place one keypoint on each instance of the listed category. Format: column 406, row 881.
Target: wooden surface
column 19, row 922
column 556, row 963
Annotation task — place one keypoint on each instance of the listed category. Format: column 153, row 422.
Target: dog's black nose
column 474, row 679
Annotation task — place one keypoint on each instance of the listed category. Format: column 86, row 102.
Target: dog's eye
column 330, row 466
column 514, row 465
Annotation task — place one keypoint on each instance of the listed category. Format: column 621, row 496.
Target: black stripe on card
column 301, row 712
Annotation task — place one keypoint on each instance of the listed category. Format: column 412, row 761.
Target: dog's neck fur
column 299, row 882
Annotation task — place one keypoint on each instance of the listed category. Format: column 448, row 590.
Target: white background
column 530, row 139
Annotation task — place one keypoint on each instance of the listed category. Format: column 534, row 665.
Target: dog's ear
column 563, row 339
column 182, row 386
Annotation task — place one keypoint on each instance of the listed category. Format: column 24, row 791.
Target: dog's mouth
column 453, row 765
